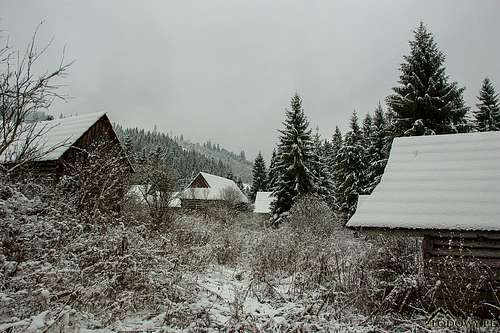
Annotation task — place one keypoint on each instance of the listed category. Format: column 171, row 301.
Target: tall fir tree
column 327, row 152
column 350, row 171
column 293, row 161
column 259, row 179
column 272, row 176
column 426, row 102
column 336, row 141
column 377, row 153
column 128, row 145
column 367, row 129
column 487, row 115
column 320, row 169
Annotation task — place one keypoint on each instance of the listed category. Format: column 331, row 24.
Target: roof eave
column 423, row 232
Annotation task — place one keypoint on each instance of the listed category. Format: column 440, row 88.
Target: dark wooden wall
column 199, row 182
column 481, row 247
column 202, row 204
column 101, row 132
column 465, row 258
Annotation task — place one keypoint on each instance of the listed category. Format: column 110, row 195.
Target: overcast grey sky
column 225, row 70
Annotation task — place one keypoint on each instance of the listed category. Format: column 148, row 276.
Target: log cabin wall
column 100, row 131
column 200, row 204
column 465, row 258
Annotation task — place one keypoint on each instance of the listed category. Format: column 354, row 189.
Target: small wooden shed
column 207, row 190
column 262, row 204
column 446, row 190
column 62, row 140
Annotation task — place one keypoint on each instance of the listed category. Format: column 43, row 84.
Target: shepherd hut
column 207, row 190
column 446, row 190
column 262, row 204
column 61, row 141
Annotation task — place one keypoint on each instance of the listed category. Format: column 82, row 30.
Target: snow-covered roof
column 217, row 190
column 59, row 133
column 440, row 182
column 263, row 202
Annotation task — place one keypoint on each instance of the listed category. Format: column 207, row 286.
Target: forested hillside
column 185, row 162
column 238, row 163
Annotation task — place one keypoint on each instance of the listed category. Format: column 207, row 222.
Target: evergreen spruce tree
column 320, row 169
column 128, row 146
column 293, row 161
column 366, row 130
column 336, row 142
column 426, row 102
column 377, row 153
column 487, row 115
column 272, row 176
column 259, row 182
column 350, row 171
column 328, row 155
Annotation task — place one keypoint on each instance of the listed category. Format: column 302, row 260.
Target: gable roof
column 60, row 133
column 263, row 202
column 216, row 187
column 440, row 182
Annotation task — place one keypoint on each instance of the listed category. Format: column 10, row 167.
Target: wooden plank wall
column 199, row 182
column 465, row 259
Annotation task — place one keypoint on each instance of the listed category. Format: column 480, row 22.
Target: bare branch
column 22, row 94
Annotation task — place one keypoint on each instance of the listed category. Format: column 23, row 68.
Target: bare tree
column 23, row 92
column 158, row 185
column 97, row 179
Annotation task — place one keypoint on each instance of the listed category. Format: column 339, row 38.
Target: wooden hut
column 446, row 190
column 262, row 204
column 207, row 190
column 63, row 140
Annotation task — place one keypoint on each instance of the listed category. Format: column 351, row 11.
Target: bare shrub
column 463, row 285
column 156, row 191
column 49, row 259
column 97, row 180
column 310, row 215
column 394, row 271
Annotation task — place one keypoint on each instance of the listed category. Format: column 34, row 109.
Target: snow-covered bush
column 97, row 180
column 314, row 251
column 156, row 191
column 462, row 285
column 311, row 215
column 49, row 258
column 395, row 276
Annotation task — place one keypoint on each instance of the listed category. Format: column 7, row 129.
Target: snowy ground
column 223, row 272
column 229, row 300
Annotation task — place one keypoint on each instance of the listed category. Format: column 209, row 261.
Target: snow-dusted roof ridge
column 217, row 182
column 217, row 186
column 61, row 133
column 440, row 182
